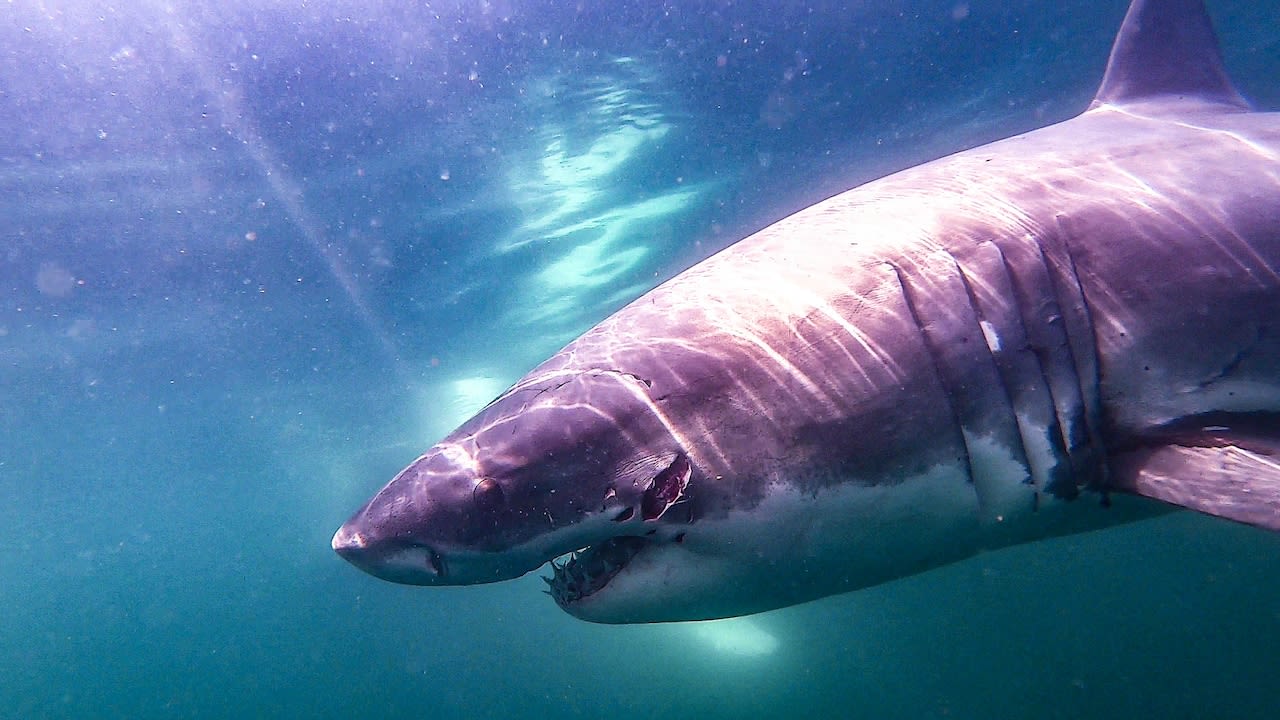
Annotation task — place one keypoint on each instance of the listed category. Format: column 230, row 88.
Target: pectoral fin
column 1237, row 479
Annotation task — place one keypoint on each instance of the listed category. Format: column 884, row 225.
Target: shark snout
column 354, row 546
column 349, row 543
column 403, row 562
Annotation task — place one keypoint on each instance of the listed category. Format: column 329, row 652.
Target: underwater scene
column 257, row 256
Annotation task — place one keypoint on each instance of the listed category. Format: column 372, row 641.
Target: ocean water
column 256, row 256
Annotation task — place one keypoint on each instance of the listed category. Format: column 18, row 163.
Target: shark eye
column 488, row 495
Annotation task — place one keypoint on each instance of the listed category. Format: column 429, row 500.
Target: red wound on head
column 666, row 488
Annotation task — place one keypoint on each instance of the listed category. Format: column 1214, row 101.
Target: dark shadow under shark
column 992, row 348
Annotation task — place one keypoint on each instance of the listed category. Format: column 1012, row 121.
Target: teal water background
column 256, row 257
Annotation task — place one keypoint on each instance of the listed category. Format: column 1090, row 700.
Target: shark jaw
column 739, row 564
column 584, row 572
column 589, row 569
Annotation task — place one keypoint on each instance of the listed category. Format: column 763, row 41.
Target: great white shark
column 996, row 347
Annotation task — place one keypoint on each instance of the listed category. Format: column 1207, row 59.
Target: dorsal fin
column 1166, row 48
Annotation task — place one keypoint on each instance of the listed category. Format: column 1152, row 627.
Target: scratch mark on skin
column 1234, row 363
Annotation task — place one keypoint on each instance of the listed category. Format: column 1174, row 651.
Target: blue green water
column 256, row 258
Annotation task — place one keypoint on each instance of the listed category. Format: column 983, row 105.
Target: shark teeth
column 585, row 571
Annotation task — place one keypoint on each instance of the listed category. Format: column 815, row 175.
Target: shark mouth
column 591, row 568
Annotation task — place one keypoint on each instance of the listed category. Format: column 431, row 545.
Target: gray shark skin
column 996, row 347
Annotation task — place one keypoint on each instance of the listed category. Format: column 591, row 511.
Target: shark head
column 574, row 468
